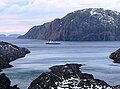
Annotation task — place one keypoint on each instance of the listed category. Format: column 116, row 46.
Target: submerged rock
column 115, row 56
column 10, row 52
column 5, row 83
column 68, row 76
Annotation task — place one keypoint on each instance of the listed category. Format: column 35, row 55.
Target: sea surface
column 94, row 54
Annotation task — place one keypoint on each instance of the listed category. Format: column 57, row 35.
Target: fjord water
column 94, row 54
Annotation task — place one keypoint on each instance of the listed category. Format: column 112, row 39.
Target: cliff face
column 86, row 24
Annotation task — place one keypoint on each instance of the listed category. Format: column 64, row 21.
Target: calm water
column 94, row 54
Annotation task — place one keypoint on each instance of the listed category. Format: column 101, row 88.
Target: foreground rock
column 115, row 56
column 86, row 24
column 68, row 77
column 5, row 83
column 10, row 52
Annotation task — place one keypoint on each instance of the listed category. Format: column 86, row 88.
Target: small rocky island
column 68, row 76
column 8, row 53
column 115, row 56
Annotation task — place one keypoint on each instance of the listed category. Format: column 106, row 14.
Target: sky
column 18, row 16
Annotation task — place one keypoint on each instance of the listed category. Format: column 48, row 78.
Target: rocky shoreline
column 8, row 53
column 68, row 76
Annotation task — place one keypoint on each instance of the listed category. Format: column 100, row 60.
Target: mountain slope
column 85, row 24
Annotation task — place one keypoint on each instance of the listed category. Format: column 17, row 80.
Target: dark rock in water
column 67, row 76
column 115, row 56
column 5, row 83
column 10, row 52
column 86, row 24
column 116, row 87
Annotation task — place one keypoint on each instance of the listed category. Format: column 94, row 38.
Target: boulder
column 115, row 56
column 67, row 76
column 5, row 82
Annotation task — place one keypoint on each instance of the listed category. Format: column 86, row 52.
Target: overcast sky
column 18, row 16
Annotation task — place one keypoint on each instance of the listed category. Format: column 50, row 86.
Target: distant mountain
column 2, row 35
column 14, row 35
column 86, row 24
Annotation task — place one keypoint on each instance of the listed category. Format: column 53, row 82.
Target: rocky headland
column 68, row 76
column 96, row 24
column 8, row 53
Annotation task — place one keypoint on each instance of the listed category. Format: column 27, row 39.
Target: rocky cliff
column 68, row 76
column 85, row 24
column 10, row 52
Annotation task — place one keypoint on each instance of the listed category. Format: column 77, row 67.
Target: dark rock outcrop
column 68, row 77
column 10, row 52
column 5, row 83
column 86, row 24
column 115, row 56
column 116, row 87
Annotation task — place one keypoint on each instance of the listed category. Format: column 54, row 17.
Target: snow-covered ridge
column 105, row 16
